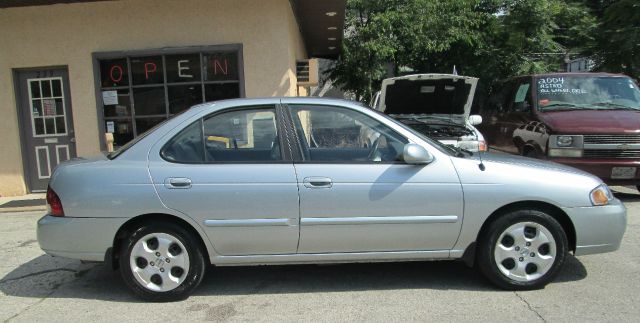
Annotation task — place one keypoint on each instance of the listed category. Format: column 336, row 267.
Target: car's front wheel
column 523, row 249
column 161, row 262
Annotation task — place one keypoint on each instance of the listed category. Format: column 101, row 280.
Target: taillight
column 53, row 203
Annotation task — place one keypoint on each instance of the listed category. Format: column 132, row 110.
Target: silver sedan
column 302, row 180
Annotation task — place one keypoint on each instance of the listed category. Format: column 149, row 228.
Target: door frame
column 22, row 128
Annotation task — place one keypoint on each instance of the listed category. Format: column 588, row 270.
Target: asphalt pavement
column 35, row 287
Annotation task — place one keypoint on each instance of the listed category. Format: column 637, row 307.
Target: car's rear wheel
column 522, row 249
column 161, row 262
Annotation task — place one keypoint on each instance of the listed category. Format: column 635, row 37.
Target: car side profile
column 307, row 180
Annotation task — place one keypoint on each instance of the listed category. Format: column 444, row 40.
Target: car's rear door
column 356, row 195
column 230, row 172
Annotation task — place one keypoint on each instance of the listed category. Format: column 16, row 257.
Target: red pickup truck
column 590, row 121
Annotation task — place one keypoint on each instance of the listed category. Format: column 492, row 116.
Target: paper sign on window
column 109, row 97
column 49, row 107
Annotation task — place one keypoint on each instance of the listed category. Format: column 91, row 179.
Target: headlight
column 473, row 145
column 556, row 152
column 565, row 145
column 564, row 141
column 601, row 195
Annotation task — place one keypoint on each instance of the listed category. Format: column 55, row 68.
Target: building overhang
column 322, row 25
column 321, row 22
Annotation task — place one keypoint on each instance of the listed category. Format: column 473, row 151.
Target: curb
column 23, row 209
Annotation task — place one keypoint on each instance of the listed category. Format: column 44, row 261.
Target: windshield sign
column 587, row 93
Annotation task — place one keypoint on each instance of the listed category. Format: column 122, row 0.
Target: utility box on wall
column 307, row 72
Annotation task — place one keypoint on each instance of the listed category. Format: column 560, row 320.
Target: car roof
column 577, row 74
column 275, row 100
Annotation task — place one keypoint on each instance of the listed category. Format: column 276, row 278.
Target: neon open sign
column 180, row 68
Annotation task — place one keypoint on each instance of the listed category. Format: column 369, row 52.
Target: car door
column 229, row 172
column 356, row 193
column 493, row 113
column 518, row 114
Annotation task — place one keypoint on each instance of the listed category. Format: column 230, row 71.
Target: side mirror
column 475, row 119
column 416, row 155
column 523, row 106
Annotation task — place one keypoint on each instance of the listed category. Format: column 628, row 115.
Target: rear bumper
column 598, row 229
column 77, row 238
column 602, row 168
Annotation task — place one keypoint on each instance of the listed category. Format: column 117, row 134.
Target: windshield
column 581, row 93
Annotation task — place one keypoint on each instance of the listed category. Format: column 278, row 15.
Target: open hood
column 428, row 94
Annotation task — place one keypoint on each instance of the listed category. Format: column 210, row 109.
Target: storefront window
column 140, row 91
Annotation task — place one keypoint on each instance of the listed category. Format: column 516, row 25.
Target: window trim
column 300, row 159
column 284, row 158
column 96, row 57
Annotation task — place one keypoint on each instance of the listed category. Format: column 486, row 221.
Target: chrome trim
column 611, row 153
column 250, row 222
column 612, row 139
column 621, row 146
column 381, row 220
column 346, row 257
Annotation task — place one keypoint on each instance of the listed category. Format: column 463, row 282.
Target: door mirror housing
column 416, row 155
column 523, row 106
column 475, row 119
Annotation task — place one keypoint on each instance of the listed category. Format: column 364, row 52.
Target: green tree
column 490, row 39
column 618, row 44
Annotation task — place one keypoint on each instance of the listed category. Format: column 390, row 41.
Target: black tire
column 531, row 153
column 193, row 277
column 488, row 243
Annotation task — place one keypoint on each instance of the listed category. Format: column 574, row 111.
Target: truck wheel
column 161, row 262
column 522, row 250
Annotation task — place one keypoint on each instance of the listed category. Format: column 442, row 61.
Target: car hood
column 441, row 95
column 496, row 158
column 592, row 121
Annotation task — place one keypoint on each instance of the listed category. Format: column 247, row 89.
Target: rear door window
column 247, row 135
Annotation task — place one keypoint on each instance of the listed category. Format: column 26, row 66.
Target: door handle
column 317, row 182
column 177, row 182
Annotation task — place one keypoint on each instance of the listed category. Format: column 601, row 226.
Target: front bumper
column 602, row 168
column 77, row 238
column 598, row 229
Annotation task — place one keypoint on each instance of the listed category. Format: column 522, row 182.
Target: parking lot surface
column 35, row 287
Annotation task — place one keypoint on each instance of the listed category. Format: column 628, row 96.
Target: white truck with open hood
column 436, row 105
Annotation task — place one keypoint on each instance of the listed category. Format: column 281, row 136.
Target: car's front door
column 228, row 172
column 356, row 193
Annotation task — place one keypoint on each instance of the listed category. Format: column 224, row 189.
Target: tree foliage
column 618, row 45
column 490, row 39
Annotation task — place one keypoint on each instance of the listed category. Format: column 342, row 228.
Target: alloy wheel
column 525, row 251
column 159, row 262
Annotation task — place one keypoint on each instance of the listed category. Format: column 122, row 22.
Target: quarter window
column 330, row 134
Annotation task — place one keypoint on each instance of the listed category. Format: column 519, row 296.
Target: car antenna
column 481, row 165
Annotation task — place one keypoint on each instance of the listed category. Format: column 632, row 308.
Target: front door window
column 330, row 134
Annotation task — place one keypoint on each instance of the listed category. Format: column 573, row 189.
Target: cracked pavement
column 37, row 287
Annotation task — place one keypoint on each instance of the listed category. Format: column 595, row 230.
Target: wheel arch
column 553, row 210
column 136, row 222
